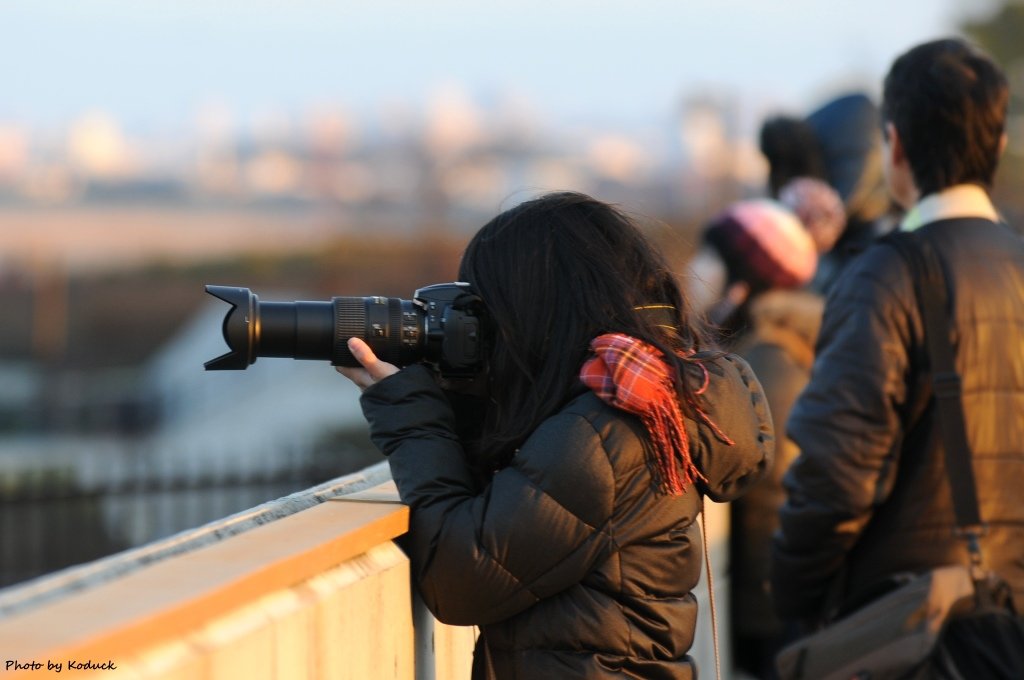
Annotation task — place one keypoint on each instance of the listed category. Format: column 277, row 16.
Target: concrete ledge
column 174, row 597
column 353, row 621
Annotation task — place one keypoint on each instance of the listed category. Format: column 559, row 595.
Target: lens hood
column 241, row 328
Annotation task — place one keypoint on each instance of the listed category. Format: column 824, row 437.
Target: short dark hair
column 947, row 100
column 554, row 273
column 792, row 149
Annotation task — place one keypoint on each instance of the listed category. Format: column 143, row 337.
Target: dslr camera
column 441, row 326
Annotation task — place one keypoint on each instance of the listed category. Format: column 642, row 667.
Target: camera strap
column 703, row 519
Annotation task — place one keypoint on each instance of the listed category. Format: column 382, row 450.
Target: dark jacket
column 868, row 495
column 780, row 350
column 569, row 561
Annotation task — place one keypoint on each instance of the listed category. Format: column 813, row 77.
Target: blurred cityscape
column 452, row 164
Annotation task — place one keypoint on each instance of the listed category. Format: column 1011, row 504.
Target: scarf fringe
column 633, row 376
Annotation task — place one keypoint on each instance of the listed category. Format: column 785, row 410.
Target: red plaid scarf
column 632, row 375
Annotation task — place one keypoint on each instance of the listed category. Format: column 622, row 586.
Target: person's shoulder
column 588, row 433
column 574, row 455
column 589, row 413
column 879, row 271
column 726, row 371
column 880, row 259
column 731, row 387
column 790, row 318
column 974, row 234
column 582, row 423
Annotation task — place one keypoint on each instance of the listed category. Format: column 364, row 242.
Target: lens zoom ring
column 349, row 322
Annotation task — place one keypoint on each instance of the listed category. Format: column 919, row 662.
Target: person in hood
column 838, row 143
column 558, row 513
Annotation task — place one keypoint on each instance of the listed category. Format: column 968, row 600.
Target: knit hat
column 819, row 208
column 763, row 244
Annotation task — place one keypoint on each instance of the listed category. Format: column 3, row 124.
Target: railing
column 308, row 586
column 67, row 502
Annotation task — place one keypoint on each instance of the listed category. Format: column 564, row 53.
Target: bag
column 988, row 643
column 886, row 638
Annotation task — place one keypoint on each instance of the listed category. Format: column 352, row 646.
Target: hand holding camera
column 372, row 369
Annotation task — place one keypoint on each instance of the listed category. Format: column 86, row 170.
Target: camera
column 441, row 326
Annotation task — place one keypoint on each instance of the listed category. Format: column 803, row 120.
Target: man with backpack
column 868, row 498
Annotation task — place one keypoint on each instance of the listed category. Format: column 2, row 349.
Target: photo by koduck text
column 58, row 666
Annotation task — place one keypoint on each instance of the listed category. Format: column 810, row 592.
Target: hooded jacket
column 868, row 497
column 569, row 560
column 847, row 128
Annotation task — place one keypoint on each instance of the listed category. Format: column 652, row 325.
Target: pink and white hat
column 764, row 244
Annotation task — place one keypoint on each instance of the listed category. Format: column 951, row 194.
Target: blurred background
column 318, row 148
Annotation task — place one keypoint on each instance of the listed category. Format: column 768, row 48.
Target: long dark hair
column 554, row 273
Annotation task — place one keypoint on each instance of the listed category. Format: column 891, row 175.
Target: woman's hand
column 373, row 369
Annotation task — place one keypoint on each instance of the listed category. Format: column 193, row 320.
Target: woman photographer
column 557, row 512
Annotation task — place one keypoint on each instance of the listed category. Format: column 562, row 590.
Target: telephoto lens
column 440, row 325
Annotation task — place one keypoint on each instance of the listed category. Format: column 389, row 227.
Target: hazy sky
column 612, row 62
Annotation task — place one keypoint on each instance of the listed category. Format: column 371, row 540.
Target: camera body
column 441, row 326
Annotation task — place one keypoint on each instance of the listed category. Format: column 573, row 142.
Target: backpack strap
column 933, row 298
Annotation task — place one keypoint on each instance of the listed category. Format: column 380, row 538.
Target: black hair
column 947, row 101
column 792, row 149
column 554, row 273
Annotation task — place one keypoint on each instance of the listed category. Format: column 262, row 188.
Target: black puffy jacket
column 569, row 561
column 868, row 496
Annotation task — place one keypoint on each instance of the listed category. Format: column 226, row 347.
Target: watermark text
column 57, row 666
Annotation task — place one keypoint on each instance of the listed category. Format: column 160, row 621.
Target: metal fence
column 49, row 521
